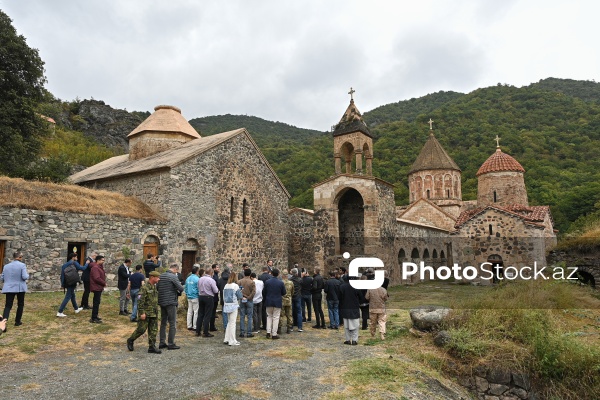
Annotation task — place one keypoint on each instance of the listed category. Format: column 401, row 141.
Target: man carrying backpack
column 69, row 278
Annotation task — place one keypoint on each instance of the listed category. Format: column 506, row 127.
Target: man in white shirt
column 258, row 298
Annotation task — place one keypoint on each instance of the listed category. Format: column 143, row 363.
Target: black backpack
column 71, row 276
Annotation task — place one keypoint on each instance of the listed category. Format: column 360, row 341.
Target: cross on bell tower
column 351, row 93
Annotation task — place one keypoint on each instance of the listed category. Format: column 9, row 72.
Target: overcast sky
column 295, row 61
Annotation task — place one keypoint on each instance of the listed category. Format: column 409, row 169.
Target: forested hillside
column 551, row 127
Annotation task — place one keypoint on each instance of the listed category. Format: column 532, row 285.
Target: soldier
column 148, row 314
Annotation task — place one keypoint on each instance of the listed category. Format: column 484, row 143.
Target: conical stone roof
column 351, row 121
column 433, row 156
column 499, row 162
column 166, row 119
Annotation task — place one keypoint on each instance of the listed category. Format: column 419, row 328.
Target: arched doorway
column 351, row 217
column 497, row 267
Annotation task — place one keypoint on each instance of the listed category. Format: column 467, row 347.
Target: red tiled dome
column 499, row 162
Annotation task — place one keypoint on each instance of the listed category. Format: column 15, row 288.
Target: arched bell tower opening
column 351, row 217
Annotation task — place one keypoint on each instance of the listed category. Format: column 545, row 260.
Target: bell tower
column 352, row 143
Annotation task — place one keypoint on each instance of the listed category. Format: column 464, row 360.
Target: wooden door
column 150, row 248
column 188, row 258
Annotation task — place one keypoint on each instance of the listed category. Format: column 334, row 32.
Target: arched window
column 442, row 255
column 428, row 193
column 426, row 254
column 490, row 227
column 435, row 254
column 495, row 197
column 414, row 254
column 245, row 211
column 401, row 255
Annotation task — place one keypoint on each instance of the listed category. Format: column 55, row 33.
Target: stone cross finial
column 430, row 124
column 497, row 141
column 351, row 93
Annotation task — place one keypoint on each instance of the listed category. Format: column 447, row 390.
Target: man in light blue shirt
column 191, row 292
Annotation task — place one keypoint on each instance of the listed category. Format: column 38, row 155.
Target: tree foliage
column 21, row 89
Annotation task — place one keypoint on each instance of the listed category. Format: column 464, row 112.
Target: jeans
column 246, row 310
column 134, row 299
column 306, row 305
column 334, row 313
column 168, row 314
column 10, row 298
column 205, row 306
column 297, row 310
column 226, row 319
column 96, row 304
column 70, row 295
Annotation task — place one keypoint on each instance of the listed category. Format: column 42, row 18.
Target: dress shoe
column 18, row 323
column 317, row 326
column 95, row 321
column 162, row 346
column 129, row 344
column 268, row 336
column 347, row 342
column 225, row 342
column 208, row 335
column 122, row 312
column 173, row 347
column 192, row 329
column 323, row 327
column 249, row 335
column 354, row 343
column 275, row 337
column 87, row 308
column 242, row 335
column 154, row 350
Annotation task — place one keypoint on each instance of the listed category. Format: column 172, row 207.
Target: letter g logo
column 366, row 262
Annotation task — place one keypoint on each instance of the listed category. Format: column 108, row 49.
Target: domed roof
column 433, row 156
column 166, row 119
column 499, row 162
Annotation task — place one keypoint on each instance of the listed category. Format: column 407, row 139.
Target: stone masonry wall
column 518, row 244
column 301, row 239
column 43, row 237
column 509, row 187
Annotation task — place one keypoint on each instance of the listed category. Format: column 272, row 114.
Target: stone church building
column 221, row 198
column 355, row 212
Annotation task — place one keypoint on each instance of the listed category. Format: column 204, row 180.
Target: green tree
column 21, row 89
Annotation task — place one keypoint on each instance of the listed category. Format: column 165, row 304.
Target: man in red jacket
column 97, row 284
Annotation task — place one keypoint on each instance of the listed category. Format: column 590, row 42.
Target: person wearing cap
column 147, row 314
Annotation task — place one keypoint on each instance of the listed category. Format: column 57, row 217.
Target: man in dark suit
column 122, row 283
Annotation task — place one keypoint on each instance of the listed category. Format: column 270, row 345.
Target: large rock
column 429, row 317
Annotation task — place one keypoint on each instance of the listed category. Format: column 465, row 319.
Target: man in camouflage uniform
column 286, row 310
column 147, row 314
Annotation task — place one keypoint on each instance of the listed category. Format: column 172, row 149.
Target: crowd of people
column 273, row 301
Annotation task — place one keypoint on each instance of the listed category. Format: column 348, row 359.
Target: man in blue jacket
column 273, row 294
column 14, row 275
column 70, row 288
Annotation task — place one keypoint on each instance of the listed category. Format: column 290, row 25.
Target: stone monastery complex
column 222, row 202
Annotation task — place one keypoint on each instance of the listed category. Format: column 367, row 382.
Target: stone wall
column 496, row 233
column 509, row 187
column 301, row 238
column 43, row 237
